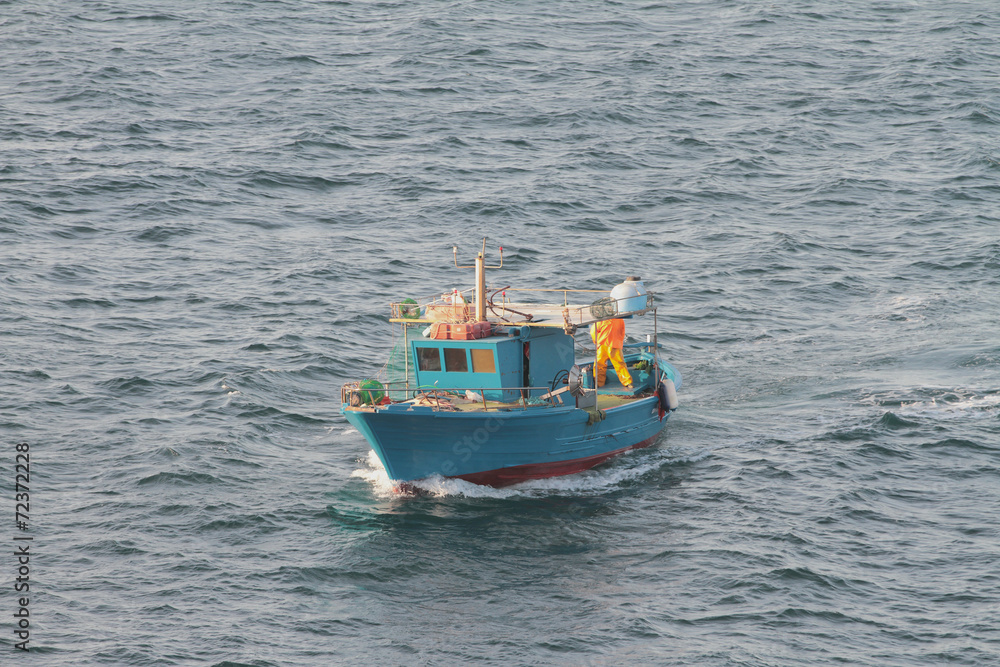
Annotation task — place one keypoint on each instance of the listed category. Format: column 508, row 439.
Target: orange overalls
column 609, row 337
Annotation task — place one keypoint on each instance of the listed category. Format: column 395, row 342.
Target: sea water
column 206, row 208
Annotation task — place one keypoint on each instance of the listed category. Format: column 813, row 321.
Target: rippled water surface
column 205, row 209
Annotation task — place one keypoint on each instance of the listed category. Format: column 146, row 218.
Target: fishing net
column 603, row 308
column 399, row 367
column 409, row 309
column 372, row 393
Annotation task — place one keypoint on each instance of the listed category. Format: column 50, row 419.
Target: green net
column 399, row 367
column 373, row 392
column 409, row 309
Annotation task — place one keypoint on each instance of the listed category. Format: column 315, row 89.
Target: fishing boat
column 492, row 391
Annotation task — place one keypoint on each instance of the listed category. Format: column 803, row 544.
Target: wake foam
column 948, row 404
column 623, row 469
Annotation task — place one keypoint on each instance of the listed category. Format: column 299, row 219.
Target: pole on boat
column 406, row 360
column 656, row 352
column 481, row 284
column 480, row 278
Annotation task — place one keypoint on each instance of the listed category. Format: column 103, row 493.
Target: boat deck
column 611, row 395
column 604, row 402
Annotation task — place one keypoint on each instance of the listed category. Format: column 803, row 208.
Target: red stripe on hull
column 516, row 474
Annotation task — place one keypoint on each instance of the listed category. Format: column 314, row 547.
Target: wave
column 938, row 403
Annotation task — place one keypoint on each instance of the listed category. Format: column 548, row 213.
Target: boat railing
column 568, row 315
column 532, row 291
column 456, row 303
column 368, row 393
column 529, row 310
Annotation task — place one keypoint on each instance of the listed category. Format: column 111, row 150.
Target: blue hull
column 503, row 446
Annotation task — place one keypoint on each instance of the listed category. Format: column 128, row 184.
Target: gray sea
column 206, row 208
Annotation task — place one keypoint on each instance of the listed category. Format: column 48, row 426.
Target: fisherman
column 609, row 337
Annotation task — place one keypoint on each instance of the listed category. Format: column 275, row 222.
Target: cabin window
column 428, row 359
column 482, row 361
column 455, row 360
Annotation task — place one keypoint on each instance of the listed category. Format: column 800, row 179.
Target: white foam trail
column 945, row 408
column 931, row 396
column 441, row 487
column 374, row 473
column 626, row 468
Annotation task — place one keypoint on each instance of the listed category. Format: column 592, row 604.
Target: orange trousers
column 604, row 353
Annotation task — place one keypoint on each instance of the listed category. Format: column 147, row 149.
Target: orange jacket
column 608, row 332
